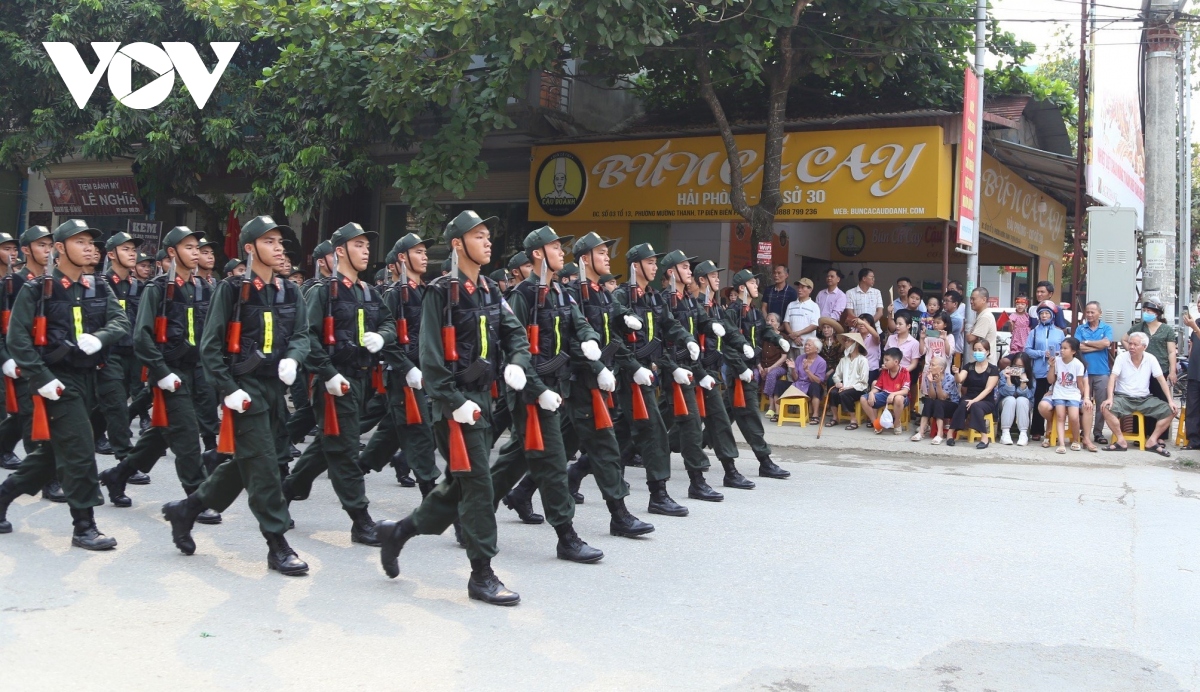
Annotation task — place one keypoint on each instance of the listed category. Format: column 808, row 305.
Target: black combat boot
column 520, row 500
column 208, row 516
column 9, row 461
column 114, row 479
column 293, row 450
column 86, row 535
column 403, row 472
column 575, row 474
column 661, row 502
column 485, row 586
column 8, row 493
column 103, row 446
column 571, row 546
column 53, row 492
column 281, row 557
column 182, row 515
column 144, row 425
column 699, row 489
column 363, row 528
column 769, row 469
column 210, row 442
column 392, row 537
column 211, row 460
column 426, row 487
column 138, row 478
column 632, row 458
column 623, row 523
column 734, row 478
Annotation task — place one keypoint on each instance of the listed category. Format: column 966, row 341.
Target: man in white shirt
column 801, row 317
column 864, row 298
column 1129, row 393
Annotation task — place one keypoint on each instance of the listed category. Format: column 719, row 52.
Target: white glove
column 682, row 376
column 633, row 322
column 52, row 390
column 467, row 413
column 644, row 377
column 606, row 380
column 718, row 329
column 372, row 341
column 170, row 383
column 591, row 350
column 335, row 384
column 514, row 377
column 88, row 344
column 746, row 375
column 748, row 351
column 785, row 345
column 693, row 350
column 707, row 382
column 549, row 400
column 413, row 378
column 10, row 369
column 238, row 401
column 287, row 371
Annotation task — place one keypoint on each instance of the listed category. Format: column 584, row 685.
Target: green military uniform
column 648, row 436
column 81, row 318
column 753, row 327
column 114, row 377
column 206, row 396
column 274, row 334
column 303, row 419
column 14, row 428
column 562, row 330
column 358, row 312
column 184, row 309
column 11, row 426
column 485, row 327
column 394, row 432
column 685, row 434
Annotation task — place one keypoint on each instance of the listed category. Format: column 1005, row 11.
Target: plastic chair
column 859, row 416
column 1181, row 430
column 1052, row 430
column 764, row 402
column 973, row 434
column 1139, row 434
column 793, row 409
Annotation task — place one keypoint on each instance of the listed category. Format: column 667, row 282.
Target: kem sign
column 118, row 62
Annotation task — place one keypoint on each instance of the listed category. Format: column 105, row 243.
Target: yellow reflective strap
column 691, row 325
column 268, row 331
column 361, row 331
column 649, row 326
column 77, row 311
column 192, row 326
column 557, row 337
column 718, row 343
column 121, row 302
column 483, row 341
column 607, row 334
column 753, row 341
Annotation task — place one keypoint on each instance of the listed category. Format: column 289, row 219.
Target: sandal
column 1114, row 447
column 814, row 420
column 1046, row 443
column 916, row 437
column 852, row 426
column 1160, row 449
column 1061, row 450
column 1092, row 448
column 1075, row 447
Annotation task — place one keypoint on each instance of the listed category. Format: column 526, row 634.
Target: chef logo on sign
column 560, row 183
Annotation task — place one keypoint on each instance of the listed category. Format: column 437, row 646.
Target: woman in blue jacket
column 1042, row 346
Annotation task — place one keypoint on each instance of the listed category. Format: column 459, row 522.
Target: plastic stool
column 799, row 404
column 1139, row 436
column 973, row 434
column 1181, row 431
column 1052, row 431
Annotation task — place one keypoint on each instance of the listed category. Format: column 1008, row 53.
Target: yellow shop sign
column 889, row 173
column 1019, row 214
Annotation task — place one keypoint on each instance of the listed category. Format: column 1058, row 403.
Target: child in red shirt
column 890, row 389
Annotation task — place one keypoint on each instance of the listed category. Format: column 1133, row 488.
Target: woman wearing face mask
column 1042, row 346
column 979, row 380
column 1162, row 345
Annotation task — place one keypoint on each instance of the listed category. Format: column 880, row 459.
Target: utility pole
column 973, row 254
column 1162, row 46
column 1185, row 173
column 1081, row 138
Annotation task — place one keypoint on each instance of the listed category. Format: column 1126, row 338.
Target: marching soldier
column 722, row 344
column 648, row 319
column 520, row 268
column 754, row 329
column 300, row 423
column 348, row 324
column 166, row 339
column 13, row 280
column 410, row 431
column 59, row 327
column 677, row 402
column 235, row 267
column 121, row 365
column 558, row 334
column 259, row 316
column 459, row 366
column 206, row 396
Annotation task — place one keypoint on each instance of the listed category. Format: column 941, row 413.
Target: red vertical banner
column 968, row 159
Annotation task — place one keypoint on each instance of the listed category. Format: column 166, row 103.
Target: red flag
column 233, row 229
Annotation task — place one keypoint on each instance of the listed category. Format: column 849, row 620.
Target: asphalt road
column 858, row 573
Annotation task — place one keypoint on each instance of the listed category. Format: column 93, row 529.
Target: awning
column 1052, row 173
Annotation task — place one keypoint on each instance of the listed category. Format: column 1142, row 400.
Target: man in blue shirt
column 1044, row 342
column 1094, row 339
column 776, row 298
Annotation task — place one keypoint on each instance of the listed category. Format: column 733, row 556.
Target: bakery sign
column 95, row 196
column 884, row 173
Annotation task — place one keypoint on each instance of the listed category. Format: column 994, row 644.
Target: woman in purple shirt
column 808, row 372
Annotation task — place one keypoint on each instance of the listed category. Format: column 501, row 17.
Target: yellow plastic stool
column 973, row 434
column 764, row 402
column 859, row 416
column 1140, row 435
column 1181, row 430
column 1052, row 431
column 799, row 405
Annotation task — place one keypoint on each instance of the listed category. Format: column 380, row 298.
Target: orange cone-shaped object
column 533, row 430
column 459, row 460
column 41, row 424
column 739, row 394
column 533, row 332
column 495, row 390
column 608, row 399
column 639, row 403
column 225, row 441
column 681, row 408
column 600, row 411
column 158, row 411
column 332, row 427
column 377, row 380
column 233, row 337
column 701, row 409
column 10, row 396
column 412, row 410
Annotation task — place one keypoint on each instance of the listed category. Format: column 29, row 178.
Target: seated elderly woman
column 808, row 372
column 1129, row 393
column 939, row 398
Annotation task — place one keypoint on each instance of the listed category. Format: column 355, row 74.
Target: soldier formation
column 565, row 357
